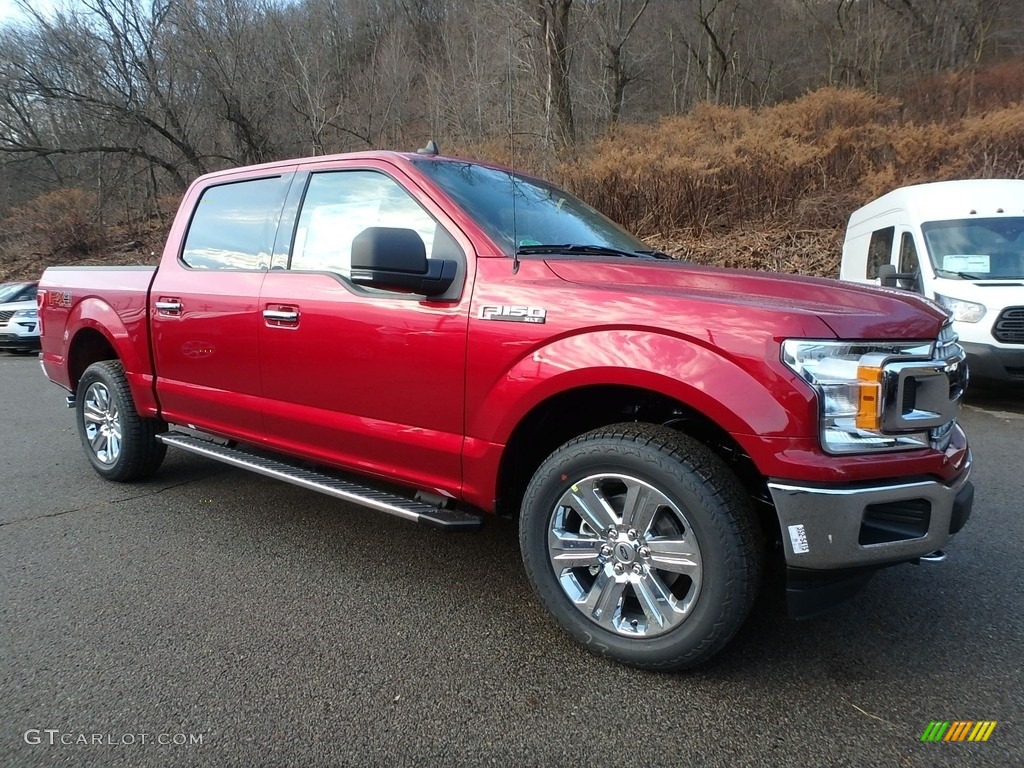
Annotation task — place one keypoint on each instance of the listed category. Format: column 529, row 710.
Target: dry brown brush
column 769, row 189
column 765, row 189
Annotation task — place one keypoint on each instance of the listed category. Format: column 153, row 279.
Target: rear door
column 363, row 378
column 204, row 306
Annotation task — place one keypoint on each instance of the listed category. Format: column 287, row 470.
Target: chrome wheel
column 625, row 555
column 102, row 423
column 643, row 544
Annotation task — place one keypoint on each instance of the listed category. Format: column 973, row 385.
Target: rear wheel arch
column 88, row 346
column 97, row 332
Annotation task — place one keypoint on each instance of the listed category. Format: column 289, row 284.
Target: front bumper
column 869, row 524
column 990, row 363
column 23, row 343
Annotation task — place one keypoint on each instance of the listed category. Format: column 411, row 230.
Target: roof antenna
column 430, row 149
column 512, row 158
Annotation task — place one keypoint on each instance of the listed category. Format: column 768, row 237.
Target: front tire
column 642, row 544
column 120, row 444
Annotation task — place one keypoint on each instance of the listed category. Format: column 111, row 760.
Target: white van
column 959, row 243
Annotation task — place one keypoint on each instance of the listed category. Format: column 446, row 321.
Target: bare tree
column 619, row 21
column 103, row 73
column 127, row 97
column 710, row 35
column 552, row 17
column 945, row 33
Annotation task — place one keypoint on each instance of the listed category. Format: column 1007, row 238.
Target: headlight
column 960, row 310
column 26, row 313
column 848, row 378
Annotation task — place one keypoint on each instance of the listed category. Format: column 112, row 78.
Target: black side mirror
column 890, row 278
column 394, row 257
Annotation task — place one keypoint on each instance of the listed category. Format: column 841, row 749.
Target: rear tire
column 642, row 544
column 120, row 444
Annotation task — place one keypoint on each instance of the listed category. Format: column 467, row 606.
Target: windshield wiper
column 592, row 250
column 655, row 254
column 967, row 276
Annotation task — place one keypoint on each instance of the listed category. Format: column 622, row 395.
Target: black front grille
column 5, row 316
column 1009, row 328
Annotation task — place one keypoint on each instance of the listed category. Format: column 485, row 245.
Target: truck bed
column 112, row 298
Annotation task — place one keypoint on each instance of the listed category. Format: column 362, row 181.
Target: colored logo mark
column 958, row 730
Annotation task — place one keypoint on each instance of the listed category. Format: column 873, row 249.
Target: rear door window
column 234, row 225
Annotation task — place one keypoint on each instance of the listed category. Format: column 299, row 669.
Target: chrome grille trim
column 949, row 351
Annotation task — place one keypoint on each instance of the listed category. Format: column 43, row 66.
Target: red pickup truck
column 441, row 340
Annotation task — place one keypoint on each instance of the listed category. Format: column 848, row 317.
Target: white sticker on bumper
column 798, row 537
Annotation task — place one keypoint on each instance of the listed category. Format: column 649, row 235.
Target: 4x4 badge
column 513, row 313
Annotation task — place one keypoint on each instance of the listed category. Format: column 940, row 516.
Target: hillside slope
column 764, row 189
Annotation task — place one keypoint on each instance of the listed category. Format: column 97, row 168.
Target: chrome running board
column 382, row 501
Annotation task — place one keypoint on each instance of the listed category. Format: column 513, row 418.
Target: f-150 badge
column 513, row 313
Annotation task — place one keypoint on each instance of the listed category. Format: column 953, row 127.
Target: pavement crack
column 52, row 514
column 869, row 714
column 136, row 497
column 158, row 491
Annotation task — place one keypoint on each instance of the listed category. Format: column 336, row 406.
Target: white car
column 19, row 317
column 961, row 244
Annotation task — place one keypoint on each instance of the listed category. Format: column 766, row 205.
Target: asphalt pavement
column 211, row 617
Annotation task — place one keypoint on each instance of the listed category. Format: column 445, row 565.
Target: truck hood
column 850, row 311
column 14, row 306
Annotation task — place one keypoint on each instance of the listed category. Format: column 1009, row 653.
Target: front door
column 362, row 378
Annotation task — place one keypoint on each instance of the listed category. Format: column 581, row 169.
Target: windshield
column 543, row 214
column 977, row 249
column 9, row 290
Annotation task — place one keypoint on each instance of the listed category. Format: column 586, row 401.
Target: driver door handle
column 280, row 315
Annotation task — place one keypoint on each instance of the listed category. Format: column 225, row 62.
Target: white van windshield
column 977, row 249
